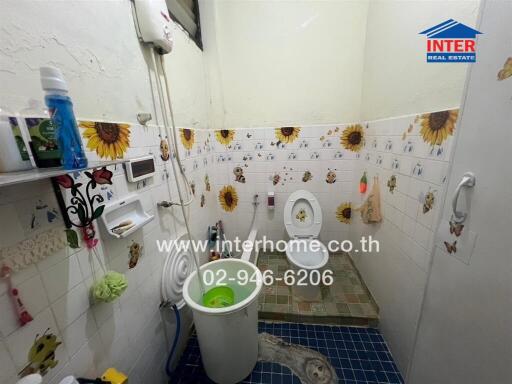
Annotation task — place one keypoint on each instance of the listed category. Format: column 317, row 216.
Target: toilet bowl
column 306, row 255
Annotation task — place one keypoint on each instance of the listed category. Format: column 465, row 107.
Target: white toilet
column 303, row 221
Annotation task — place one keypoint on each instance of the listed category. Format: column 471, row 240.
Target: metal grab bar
column 468, row 180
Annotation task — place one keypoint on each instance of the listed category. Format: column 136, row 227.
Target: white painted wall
column 95, row 45
column 274, row 63
column 397, row 80
column 464, row 334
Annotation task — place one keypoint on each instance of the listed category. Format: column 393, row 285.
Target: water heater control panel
column 154, row 23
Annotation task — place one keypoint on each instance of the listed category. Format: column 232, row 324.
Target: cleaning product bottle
column 42, row 135
column 34, row 378
column 61, row 111
column 14, row 155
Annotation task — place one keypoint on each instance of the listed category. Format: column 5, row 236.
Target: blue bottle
column 61, row 111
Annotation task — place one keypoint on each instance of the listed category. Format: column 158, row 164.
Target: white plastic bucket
column 228, row 337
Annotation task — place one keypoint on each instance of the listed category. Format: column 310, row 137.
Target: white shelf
column 128, row 209
column 36, row 174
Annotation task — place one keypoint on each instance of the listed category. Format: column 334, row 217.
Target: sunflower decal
column 228, row 198
column 187, row 137
column 225, row 136
column 109, row 140
column 287, row 135
column 344, row 213
column 352, row 138
column 437, row 126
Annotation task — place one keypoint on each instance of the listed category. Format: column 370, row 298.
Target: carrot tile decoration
column 363, row 183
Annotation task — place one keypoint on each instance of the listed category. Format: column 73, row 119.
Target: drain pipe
column 168, row 369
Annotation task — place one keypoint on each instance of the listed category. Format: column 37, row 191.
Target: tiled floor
column 359, row 355
column 345, row 302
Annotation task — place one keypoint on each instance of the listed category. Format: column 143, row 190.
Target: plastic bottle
column 42, row 135
column 31, row 379
column 69, row 380
column 61, row 111
column 14, row 155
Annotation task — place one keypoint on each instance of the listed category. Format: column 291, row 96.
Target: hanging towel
column 370, row 210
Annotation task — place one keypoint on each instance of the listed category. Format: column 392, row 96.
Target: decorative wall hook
column 85, row 205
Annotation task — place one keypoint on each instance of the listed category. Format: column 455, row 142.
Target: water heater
column 154, row 23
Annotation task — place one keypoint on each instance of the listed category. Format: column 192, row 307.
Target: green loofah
column 110, row 287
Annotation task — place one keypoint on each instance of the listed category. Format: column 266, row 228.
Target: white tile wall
column 261, row 159
column 128, row 333
column 406, row 233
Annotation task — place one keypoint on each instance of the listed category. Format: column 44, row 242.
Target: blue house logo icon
column 451, row 42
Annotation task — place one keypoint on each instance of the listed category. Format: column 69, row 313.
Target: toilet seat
column 303, row 221
column 302, row 215
column 307, row 259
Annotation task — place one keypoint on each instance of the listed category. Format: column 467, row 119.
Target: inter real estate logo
column 451, row 42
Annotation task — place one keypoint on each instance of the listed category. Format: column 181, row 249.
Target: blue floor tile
column 359, row 356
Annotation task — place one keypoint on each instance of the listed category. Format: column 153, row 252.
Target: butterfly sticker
column 331, row 177
column 301, row 216
column 456, row 228
column 428, row 201
column 307, row 176
column 506, row 71
column 417, row 170
column 409, row 147
column 51, row 215
column 451, row 248
column 392, row 183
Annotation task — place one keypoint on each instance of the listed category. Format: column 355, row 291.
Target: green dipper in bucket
column 219, row 297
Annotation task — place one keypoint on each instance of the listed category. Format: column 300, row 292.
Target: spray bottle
column 61, row 111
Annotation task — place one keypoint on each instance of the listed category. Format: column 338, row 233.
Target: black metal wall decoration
column 85, row 204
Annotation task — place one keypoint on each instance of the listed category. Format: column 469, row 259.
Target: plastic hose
column 175, row 144
column 175, row 341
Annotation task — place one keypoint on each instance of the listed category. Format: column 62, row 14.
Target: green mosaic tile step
column 346, row 302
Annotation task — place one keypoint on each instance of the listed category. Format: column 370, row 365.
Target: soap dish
column 123, row 217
